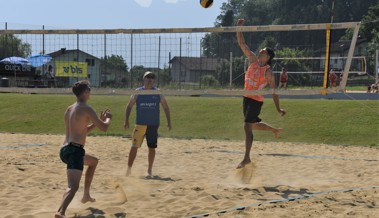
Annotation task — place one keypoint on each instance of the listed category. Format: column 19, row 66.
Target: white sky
column 107, row 14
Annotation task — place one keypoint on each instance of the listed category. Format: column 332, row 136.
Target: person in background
column 373, row 88
column 332, row 79
column 50, row 77
column 147, row 121
column 283, row 79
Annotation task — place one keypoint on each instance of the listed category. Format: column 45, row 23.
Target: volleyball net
column 201, row 60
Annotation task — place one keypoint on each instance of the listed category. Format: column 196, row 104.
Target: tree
column 295, row 65
column 209, row 81
column 269, row 42
column 221, row 44
column 370, row 31
column 137, row 73
column 280, row 12
column 114, row 70
column 223, row 72
column 163, row 77
column 10, row 45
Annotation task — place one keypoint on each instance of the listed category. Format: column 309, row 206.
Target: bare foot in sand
column 277, row 132
column 149, row 175
column 129, row 171
column 86, row 199
column 243, row 163
column 59, row 215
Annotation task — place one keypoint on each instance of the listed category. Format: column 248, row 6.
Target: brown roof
column 73, row 51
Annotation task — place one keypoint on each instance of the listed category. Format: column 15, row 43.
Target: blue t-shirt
column 148, row 109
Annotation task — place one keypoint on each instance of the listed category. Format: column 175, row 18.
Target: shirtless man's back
column 80, row 118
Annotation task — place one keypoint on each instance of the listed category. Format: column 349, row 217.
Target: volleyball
column 206, row 3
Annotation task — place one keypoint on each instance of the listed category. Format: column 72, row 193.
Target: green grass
column 347, row 122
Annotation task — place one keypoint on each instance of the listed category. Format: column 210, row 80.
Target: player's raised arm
column 241, row 42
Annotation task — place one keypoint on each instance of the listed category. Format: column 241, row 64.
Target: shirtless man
column 80, row 118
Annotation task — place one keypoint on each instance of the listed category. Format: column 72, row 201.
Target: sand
column 193, row 178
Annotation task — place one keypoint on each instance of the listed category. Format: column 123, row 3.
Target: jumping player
column 257, row 76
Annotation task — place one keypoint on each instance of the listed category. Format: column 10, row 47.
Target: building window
column 90, row 62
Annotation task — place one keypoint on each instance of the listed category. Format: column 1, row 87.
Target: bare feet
column 277, row 132
column 149, row 175
column 129, row 171
column 243, row 163
column 59, row 215
column 86, row 199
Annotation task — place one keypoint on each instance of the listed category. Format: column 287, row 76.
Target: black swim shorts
column 251, row 110
column 72, row 154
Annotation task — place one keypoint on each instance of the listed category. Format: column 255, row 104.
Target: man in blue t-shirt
column 147, row 121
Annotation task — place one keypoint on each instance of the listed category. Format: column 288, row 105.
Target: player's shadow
column 97, row 213
column 286, row 193
column 167, row 179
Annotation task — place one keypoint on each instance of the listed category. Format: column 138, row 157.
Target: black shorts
column 73, row 155
column 152, row 136
column 251, row 110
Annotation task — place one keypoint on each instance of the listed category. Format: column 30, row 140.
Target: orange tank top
column 255, row 80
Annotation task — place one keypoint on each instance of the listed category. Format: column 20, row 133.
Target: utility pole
column 377, row 66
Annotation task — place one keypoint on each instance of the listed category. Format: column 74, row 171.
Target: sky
column 107, row 14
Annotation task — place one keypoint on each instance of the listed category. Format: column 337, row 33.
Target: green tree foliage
column 137, row 72
column 223, row 72
column 280, row 12
column 116, row 62
column 269, row 42
column 221, row 44
column 209, row 81
column 295, row 64
column 114, row 70
column 370, row 31
column 163, row 77
column 10, row 45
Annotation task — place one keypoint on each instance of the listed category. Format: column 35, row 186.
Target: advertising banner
column 71, row 69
